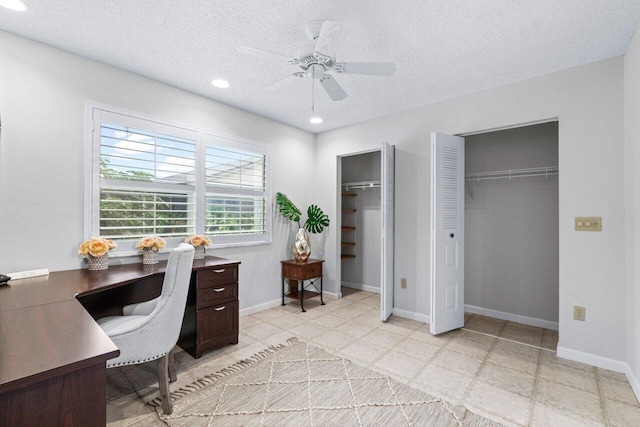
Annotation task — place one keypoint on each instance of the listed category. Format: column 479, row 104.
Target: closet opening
column 360, row 229
column 365, row 243
column 511, row 226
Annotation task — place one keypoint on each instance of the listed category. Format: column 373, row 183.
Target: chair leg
column 172, row 368
column 163, row 382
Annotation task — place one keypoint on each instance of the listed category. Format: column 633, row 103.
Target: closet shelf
column 347, row 227
column 349, row 194
column 545, row 171
column 360, row 185
column 348, row 244
column 349, row 210
column 343, row 256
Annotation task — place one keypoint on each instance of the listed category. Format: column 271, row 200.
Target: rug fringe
column 213, row 377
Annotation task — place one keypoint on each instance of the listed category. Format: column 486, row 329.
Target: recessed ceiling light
column 315, row 120
column 220, row 83
column 14, row 5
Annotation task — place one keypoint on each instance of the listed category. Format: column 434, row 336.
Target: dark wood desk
column 294, row 272
column 53, row 355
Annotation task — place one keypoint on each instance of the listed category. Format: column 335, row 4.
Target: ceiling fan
column 318, row 58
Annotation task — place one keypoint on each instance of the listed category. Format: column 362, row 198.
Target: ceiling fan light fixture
column 16, row 5
column 219, row 83
column 315, row 120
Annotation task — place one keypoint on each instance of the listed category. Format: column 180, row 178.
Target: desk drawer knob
column 219, row 271
column 219, row 289
column 220, row 308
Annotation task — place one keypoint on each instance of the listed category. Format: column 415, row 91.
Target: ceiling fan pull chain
column 313, row 95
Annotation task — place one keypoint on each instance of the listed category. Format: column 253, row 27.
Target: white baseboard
column 260, row 307
column 361, row 287
column 425, row 318
column 594, row 360
column 633, row 380
column 331, row 295
column 276, row 302
column 531, row 321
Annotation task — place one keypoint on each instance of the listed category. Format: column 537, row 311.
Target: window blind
column 147, row 182
column 149, row 176
column 236, row 191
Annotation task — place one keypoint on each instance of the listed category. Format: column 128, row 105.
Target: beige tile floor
column 517, row 384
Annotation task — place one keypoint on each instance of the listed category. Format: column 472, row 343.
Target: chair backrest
column 168, row 314
column 160, row 333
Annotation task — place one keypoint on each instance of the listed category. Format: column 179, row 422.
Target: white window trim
column 91, row 214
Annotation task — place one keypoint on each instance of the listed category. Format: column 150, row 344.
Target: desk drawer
column 217, row 323
column 216, row 295
column 223, row 275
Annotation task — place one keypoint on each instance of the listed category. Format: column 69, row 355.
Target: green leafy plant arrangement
column 316, row 219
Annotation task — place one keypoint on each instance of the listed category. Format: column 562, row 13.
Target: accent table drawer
column 223, row 275
column 297, row 271
column 216, row 295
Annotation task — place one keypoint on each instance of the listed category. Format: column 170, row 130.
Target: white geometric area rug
column 296, row 384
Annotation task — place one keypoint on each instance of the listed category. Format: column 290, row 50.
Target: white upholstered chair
column 149, row 330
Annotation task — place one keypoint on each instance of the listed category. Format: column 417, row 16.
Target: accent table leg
column 302, row 296
column 282, row 290
column 321, row 300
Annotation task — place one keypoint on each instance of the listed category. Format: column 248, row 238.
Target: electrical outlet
column 403, row 283
column 579, row 313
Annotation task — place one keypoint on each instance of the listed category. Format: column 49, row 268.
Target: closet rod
column 512, row 173
column 361, row 185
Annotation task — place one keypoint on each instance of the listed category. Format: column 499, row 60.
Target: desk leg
column 283, row 290
column 302, row 297
column 321, row 300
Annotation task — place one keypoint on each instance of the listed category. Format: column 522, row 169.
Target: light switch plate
column 588, row 223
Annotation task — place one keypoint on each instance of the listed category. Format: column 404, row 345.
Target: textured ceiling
column 442, row 49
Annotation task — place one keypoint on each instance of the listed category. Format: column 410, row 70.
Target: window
column 146, row 177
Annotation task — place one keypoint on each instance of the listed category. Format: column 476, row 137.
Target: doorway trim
column 543, row 324
column 338, row 221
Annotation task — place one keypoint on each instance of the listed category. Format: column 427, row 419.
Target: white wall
column 632, row 166
column 511, row 226
column 588, row 103
column 42, row 96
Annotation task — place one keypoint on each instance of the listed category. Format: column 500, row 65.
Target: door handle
column 452, row 235
column 219, row 289
column 219, row 271
column 220, row 308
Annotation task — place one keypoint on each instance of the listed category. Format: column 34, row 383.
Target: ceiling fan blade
column 261, row 53
column 366, row 68
column 280, row 83
column 333, row 89
column 331, row 35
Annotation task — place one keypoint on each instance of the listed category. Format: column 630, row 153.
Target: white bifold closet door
column 386, row 282
column 447, row 233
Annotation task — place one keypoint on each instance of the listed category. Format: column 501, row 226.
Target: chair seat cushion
column 115, row 325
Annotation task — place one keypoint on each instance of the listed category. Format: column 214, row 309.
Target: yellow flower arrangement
column 198, row 240
column 152, row 242
column 96, row 246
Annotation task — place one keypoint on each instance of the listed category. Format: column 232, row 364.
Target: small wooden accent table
column 294, row 272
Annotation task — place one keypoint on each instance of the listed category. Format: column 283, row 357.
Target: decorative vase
column 149, row 256
column 199, row 252
column 98, row 262
column 301, row 246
